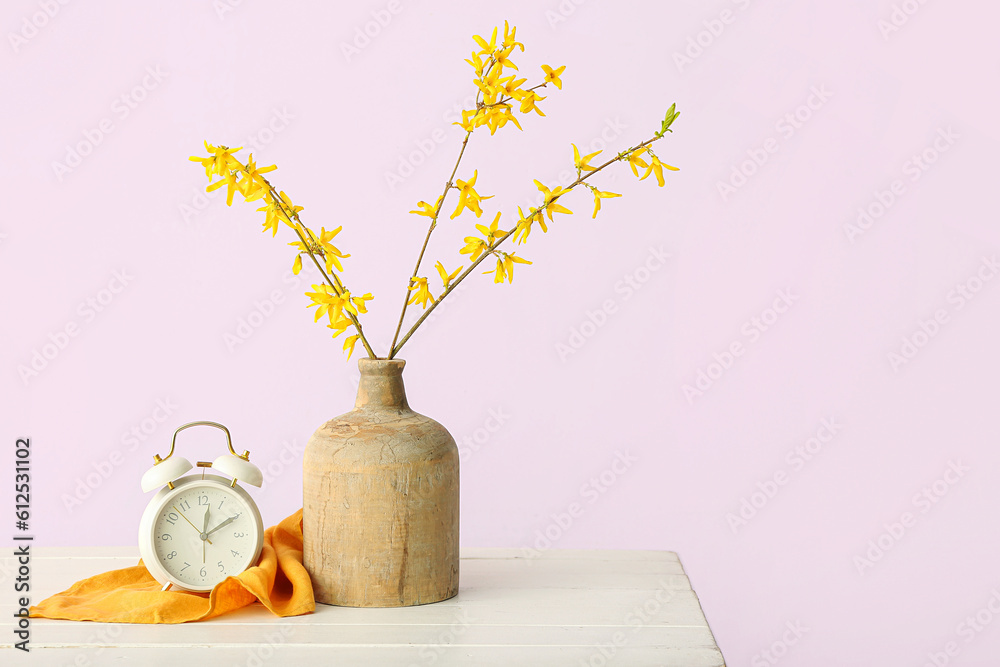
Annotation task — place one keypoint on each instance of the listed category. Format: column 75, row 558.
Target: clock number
column 220, row 503
column 172, row 518
column 203, row 573
column 234, row 553
column 221, row 568
column 203, row 498
column 186, row 566
column 171, row 555
column 166, row 536
column 237, row 534
column 186, row 504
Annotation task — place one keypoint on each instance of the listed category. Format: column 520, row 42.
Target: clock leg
column 167, row 586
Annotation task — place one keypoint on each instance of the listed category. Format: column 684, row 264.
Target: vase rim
column 380, row 365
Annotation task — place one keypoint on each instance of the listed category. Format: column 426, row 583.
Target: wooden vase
column 380, row 500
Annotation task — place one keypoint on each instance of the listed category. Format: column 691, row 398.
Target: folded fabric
column 131, row 595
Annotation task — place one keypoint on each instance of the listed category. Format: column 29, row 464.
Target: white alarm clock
column 198, row 530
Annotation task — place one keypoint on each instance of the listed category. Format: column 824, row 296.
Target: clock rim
column 146, row 538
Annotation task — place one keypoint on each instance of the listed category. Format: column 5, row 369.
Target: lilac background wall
column 879, row 535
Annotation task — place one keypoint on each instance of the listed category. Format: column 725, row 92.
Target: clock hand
column 221, row 525
column 189, row 521
column 204, row 531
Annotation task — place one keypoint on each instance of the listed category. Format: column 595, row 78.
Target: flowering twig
column 416, row 269
column 338, row 286
column 499, row 95
column 535, row 211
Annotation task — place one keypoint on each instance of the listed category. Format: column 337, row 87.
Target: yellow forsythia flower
column 277, row 210
column 656, row 167
column 474, row 246
column 553, row 75
column 509, row 39
column 228, row 179
column 349, row 344
column 502, row 58
column 490, row 86
column 635, row 160
column 523, row 228
column 423, row 208
column 550, row 204
column 468, row 198
column 583, row 164
column 328, row 302
column 477, row 63
column 505, row 267
column 510, row 85
column 219, row 162
column 468, row 122
column 360, row 301
column 508, row 263
column 497, row 116
column 493, row 232
column 446, row 277
column 319, row 245
column 422, row 293
column 598, row 196
column 528, row 100
column 486, row 47
column 252, row 185
column 340, row 326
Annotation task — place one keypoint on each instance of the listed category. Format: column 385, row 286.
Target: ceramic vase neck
column 381, row 384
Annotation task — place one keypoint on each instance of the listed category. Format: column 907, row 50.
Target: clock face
column 204, row 531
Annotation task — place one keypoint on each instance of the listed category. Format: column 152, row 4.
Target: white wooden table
column 629, row 608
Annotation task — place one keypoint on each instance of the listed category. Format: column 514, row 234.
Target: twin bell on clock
column 199, row 529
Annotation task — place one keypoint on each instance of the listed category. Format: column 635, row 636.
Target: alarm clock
column 199, row 529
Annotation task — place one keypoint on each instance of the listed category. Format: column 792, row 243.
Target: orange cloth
column 132, row 595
